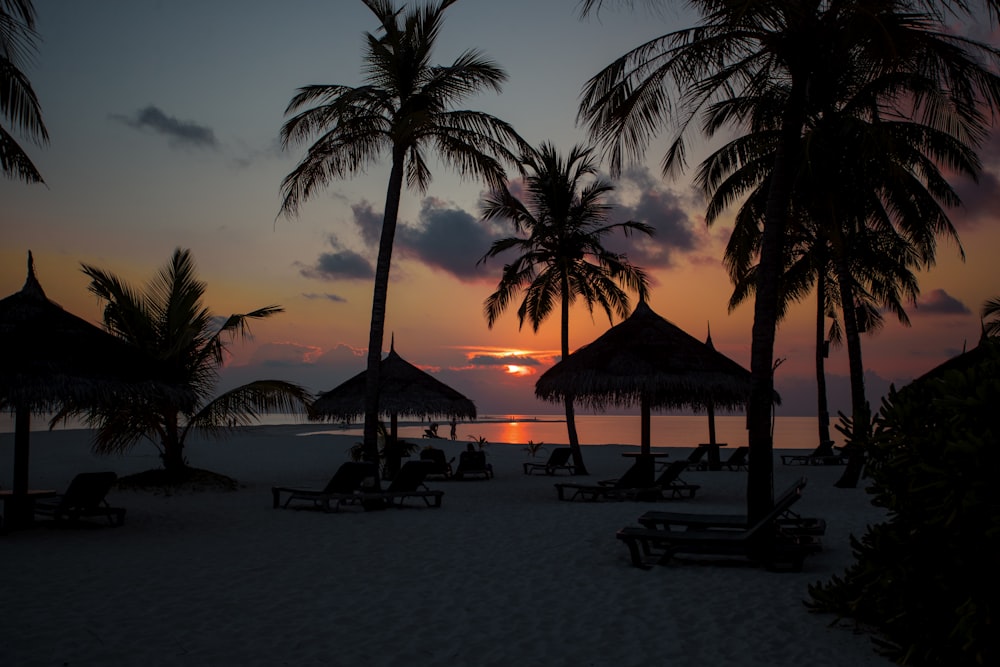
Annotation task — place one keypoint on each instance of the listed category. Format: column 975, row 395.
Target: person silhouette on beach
column 454, row 426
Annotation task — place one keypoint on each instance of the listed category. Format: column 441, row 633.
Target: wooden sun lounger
column 344, row 488
column 85, row 497
column 648, row 546
column 787, row 520
column 821, row 456
column 786, row 549
column 630, row 487
column 408, row 483
column 559, row 459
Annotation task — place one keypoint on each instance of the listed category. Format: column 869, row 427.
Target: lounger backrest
column 697, row 454
column 634, row 478
column 87, row 490
column 436, row 456
column 739, row 456
column 559, row 456
column 790, row 493
column 472, row 460
column 350, row 477
column 411, row 476
column 781, row 505
column 672, row 472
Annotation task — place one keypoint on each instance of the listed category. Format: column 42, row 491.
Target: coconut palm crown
column 18, row 104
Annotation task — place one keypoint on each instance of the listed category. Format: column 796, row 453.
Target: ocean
column 593, row 429
column 665, row 430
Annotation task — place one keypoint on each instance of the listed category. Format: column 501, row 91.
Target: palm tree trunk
column 760, row 476
column 379, row 299
column 173, row 446
column 822, row 407
column 574, row 439
column 860, row 411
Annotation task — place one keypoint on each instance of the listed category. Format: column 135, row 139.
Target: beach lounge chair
column 472, row 465
column 765, row 542
column 408, row 483
column 632, row 485
column 787, row 520
column 825, row 455
column 559, row 459
column 696, row 455
column 670, row 483
column 441, row 467
column 85, row 497
column 738, row 460
column 345, row 487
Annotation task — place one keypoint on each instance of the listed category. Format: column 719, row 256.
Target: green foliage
column 169, row 320
column 926, row 579
column 534, row 449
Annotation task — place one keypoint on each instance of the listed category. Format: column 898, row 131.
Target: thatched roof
column 986, row 348
column 647, row 357
column 52, row 357
column 404, row 390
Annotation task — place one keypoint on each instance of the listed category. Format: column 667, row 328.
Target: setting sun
column 513, row 369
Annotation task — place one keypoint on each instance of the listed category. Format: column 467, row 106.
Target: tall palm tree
column 745, row 48
column 563, row 257
column 18, row 103
column 405, row 108
column 168, row 320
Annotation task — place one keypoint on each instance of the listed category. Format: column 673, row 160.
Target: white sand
column 502, row 574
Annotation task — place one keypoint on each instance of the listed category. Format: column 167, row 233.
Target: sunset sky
column 164, row 120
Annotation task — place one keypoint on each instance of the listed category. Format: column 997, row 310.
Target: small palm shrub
column 389, row 449
column 925, row 580
column 534, row 449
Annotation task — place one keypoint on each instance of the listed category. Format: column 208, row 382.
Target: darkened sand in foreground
column 502, row 574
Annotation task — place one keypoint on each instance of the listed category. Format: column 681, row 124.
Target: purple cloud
column 939, row 302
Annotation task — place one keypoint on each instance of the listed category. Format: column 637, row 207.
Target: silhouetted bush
column 925, row 581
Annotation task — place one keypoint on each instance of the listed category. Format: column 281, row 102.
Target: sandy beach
column 502, row 574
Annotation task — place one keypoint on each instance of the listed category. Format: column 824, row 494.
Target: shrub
column 925, row 580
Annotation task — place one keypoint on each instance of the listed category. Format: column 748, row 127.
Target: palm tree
column 562, row 257
column 405, row 107
column 168, row 320
column 743, row 49
column 18, row 103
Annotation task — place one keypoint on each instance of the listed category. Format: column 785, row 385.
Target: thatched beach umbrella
column 404, row 390
column 647, row 360
column 52, row 358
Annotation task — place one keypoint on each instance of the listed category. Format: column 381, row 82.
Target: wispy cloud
column 939, row 302
column 336, row 298
column 450, row 239
column 503, row 360
column 341, row 264
column 641, row 197
column 180, row 132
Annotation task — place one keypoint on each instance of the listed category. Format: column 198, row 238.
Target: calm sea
column 666, row 430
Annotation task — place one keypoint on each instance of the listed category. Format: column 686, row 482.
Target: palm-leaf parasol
column 52, row 358
column 647, row 360
column 404, row 390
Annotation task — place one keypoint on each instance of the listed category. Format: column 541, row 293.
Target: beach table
column 19, row 508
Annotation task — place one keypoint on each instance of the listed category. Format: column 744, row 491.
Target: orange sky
column 125, row 186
